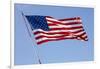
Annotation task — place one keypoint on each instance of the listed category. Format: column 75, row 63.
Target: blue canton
column 38, row 22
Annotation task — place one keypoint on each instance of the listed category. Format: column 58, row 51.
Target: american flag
column 47, row 28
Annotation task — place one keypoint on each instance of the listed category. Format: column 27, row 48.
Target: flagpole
column 37, row 52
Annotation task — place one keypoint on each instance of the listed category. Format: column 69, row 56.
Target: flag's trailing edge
column 47, row 28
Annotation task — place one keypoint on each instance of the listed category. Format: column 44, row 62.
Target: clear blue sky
column 56, row 51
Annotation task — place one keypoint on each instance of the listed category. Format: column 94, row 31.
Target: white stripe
column 71, row 21
column 54, row 31
column 49, row 22
column 60, row 22
column 60, row 26
column 65, row 26
column 84, row 35
column 86, row 38
column 66, row 21
column 52, row 19
column 45, row 38
column 41, row 34
column 80, row 33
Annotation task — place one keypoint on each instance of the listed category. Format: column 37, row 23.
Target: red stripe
column 54, row 40
column 65, row 19
column 79, row 38
column 78, row 31
column 70, row 19
column 82, row 34
column 85, row 36
column 66, row 28
column 72, row 23
column 69, row 23
column 52, row 24
column 51, row 33
column 61, row 36
column 55, row 22
column 82, row 38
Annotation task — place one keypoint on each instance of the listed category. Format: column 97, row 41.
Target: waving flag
column 47, row 28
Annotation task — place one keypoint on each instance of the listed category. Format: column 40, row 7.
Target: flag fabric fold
column 47, row 28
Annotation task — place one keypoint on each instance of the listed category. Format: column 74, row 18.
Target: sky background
column 26, row 49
